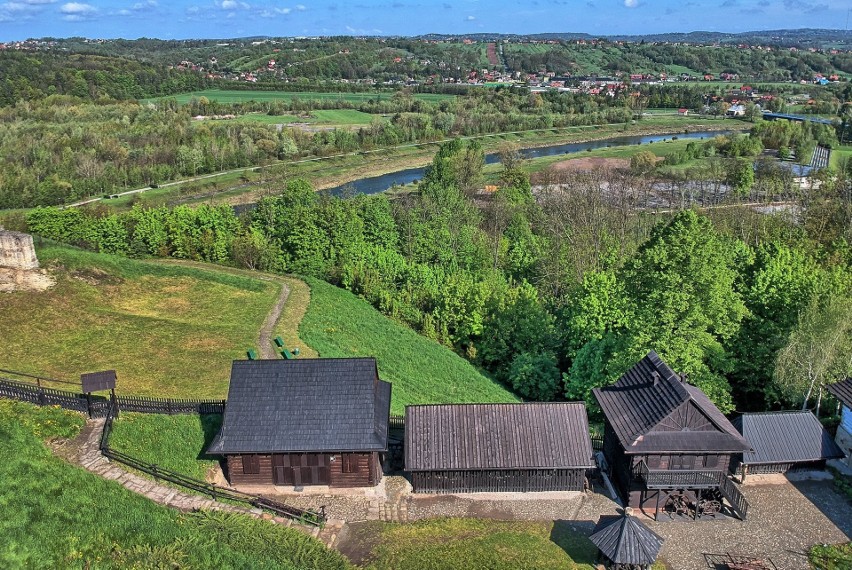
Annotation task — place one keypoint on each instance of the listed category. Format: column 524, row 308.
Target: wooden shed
column 783, row 441
column 469, row 448
column 312, row 421
column 843, row 392
column 666, row 445
column 624, row 543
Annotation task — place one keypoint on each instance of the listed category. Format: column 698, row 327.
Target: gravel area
column 784, row 521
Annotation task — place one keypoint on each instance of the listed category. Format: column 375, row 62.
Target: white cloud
column 38, row 2
column 631, row 3
column 78, row 9
column 470, row 18
column 233, row 5
column 300, row 7
column 284, row 11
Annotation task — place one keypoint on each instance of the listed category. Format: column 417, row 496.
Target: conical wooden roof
column 625, row 540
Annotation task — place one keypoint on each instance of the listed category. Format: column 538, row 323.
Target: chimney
column 656, row 377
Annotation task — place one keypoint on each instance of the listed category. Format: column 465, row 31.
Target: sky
column 180, row 19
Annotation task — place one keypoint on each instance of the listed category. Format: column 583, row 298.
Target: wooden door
column 282, row 473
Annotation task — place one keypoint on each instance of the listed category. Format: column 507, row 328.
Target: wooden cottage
column 666, row 445
column 468, row 448
column 843, row 392
column 311, row 421
column 783, row 441
column 624, row 543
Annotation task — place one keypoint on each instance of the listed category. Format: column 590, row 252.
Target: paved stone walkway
column 84, row 450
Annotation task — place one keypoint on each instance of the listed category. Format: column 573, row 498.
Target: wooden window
column 349, row 462
column 251, row 465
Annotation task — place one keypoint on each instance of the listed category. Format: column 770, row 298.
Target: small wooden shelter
column 311, row 421
column 468, row 448
column 666, row 445
column 843, row 392
column 625, row 543
column 783, row 441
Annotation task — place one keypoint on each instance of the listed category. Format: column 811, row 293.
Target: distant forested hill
column 28, row 75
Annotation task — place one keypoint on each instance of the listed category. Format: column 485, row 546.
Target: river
column 375, row 184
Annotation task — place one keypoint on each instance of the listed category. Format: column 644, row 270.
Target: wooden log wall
column 499, row 481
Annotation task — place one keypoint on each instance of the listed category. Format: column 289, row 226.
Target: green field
column 474, row 544
column 55, row 515
column 325, row 117
column 238, row 96
column 339, row 324
column 167, row 330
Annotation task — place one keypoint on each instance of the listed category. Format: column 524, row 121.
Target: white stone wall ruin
column 17, row 251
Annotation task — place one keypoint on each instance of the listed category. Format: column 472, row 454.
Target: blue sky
column 21, row 19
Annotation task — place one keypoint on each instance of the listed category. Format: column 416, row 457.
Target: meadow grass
column 476, row 544
column 239, row 96
column 339, row 324
column 325, row 117
column 175, row 442
column 55, row 515
column 168, row 330
column 831, row 556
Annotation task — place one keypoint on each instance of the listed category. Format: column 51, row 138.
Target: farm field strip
column 238, row 96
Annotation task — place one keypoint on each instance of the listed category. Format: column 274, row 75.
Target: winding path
column 264, row 338
column 84, row 450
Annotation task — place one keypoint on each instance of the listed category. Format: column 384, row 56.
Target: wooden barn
column 667, row 447
column 843, row 392
column 783, row 441
column 311, row 421
column 469, row 448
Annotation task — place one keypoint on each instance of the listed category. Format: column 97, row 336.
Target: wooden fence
column 169, row 406
column 98, row 406
column 217, row 493
column 94, row 406
column 396, row 422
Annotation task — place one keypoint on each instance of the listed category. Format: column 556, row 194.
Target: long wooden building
column 467, row 448
column 783, row 441
column 667, row 447
column 311, row 421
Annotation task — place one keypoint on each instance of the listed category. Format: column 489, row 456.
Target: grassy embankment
column 339, row 324
column 55, row 515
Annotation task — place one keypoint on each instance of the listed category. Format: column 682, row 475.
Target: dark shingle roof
column 842, row 391
column 625, row 540
column 642, row 406
column 786, row 437
column 303, row 405
column 497, row 436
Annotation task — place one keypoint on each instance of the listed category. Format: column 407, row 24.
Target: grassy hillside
column 339, row 324
column 55, row 515
column 167, row 330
